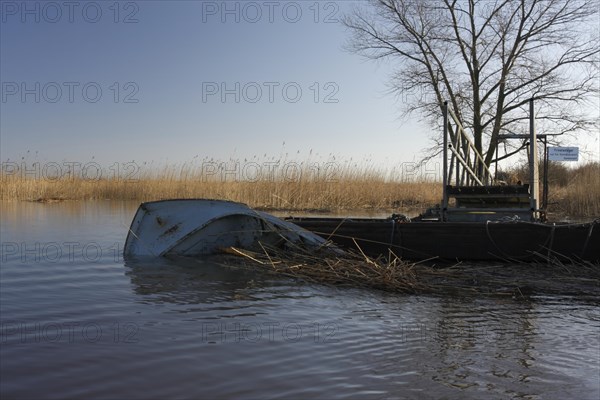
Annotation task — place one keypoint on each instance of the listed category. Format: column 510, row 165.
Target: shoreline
column 411, row 212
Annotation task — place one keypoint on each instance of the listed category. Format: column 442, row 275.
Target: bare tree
column 488, row 58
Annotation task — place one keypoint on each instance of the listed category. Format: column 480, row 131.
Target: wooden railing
column 464, row 168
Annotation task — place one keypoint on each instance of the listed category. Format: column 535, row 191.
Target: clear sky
column 177, row 81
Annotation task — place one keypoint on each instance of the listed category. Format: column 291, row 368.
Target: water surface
column 78, row 321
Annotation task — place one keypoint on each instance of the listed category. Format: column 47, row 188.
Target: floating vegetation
column 549, row 276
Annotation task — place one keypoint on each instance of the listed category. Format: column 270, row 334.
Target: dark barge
column 479, row 217
column 452, row 241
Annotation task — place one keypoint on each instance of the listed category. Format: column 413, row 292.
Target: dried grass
column 581, row 195
column 551, row 275
column 351, row 187
column 575, row 193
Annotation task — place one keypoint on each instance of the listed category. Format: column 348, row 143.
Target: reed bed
column 572, row 192
column 580, row 196
column 301, row 186
column 295, row 186
column 551, row 275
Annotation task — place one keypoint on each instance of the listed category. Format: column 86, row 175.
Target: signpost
column 563, row 153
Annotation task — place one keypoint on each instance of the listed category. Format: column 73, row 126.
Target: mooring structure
column 471, row 191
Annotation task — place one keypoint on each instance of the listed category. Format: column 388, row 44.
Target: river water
column 78, row 321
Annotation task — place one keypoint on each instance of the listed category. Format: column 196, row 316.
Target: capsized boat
column 196, row 227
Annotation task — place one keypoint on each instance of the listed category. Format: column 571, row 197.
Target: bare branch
column 488, row 58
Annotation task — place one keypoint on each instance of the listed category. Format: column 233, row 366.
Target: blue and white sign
column 563, row 153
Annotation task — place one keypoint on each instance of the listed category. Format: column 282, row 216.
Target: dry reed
column 551, row 275
column 581, row 195
column 333, row 268
column 573, row 192
column 300, row 187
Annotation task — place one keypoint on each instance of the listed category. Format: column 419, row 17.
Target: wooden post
column 534, row 178
column 445, row 165
column 545, row 181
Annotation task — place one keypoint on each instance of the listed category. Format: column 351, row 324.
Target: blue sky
column 175, row 81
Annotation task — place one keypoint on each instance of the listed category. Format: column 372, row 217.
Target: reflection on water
column 193, row 281
column 91, row 325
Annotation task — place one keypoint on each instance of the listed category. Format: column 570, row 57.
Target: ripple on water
column 197, row 328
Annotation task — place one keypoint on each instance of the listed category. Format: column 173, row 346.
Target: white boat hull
column 198, row 227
